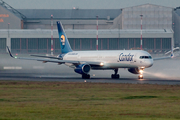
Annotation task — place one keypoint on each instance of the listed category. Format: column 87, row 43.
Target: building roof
column 70, row 13
column 148, row 4
column 11, row 9
column 178, row 11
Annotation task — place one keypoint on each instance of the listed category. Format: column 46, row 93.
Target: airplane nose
column 149, row 63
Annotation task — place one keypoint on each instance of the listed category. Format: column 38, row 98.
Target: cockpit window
column 145, row 57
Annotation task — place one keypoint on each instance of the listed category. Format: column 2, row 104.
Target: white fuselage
column 113, row 58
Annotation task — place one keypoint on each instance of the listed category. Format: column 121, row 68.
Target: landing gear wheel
column 141, row 73
column 115, row 76
column 85, row 76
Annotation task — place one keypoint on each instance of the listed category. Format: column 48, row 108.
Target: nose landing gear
column 140, row 76
column 141, row 73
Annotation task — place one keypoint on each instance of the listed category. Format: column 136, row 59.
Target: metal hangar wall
column 29, row 30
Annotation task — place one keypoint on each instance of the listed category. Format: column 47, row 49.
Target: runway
column 34, row 77
column 162, row 72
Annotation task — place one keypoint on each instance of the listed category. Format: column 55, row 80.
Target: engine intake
column 82, row 69
column 134, row 70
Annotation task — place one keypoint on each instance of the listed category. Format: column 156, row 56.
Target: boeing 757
column 84, row 61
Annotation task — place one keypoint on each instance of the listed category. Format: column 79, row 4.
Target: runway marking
column 12, row 68
column 38, row 67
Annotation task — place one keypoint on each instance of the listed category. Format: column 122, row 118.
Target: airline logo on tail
column 63, row 41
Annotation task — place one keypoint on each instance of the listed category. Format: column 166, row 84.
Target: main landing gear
column 140, row 73
column 85, row 76
column 115, row 75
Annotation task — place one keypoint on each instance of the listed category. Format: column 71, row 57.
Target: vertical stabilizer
column 64, row 43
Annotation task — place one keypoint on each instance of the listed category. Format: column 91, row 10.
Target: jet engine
column 134, row 70
column 82, row 69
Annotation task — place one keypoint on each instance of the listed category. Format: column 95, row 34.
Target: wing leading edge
column 162, row 58
column 167, row 57
column 52, row 57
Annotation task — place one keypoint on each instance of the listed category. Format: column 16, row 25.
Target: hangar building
column 29, row 30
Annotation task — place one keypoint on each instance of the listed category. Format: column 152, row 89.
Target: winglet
column 172, row 54
column 9, row 52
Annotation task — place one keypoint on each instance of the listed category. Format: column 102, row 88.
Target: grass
column 87, row 101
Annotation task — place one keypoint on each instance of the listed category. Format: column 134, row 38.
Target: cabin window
column 145, row 57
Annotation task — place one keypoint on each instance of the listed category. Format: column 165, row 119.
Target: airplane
column 84, row 61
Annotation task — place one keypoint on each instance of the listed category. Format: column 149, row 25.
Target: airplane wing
column 167, row 57
column 162, row 58
column 52, row 57
column 55, row 60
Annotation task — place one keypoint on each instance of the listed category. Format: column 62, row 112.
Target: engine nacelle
column 134, row 70
column 83, row 69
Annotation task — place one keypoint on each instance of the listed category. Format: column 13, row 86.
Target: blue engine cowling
column 134, row 70
column 82, row 69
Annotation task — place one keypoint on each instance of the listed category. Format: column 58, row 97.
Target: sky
column 86, row 4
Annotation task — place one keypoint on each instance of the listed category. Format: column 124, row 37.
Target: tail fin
column 64, row 43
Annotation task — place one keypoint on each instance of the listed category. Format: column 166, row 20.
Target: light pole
column 8, row 30
column 141, row 31
column 8, row 41
column 52, row 35
column 97, row 34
